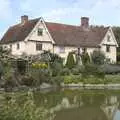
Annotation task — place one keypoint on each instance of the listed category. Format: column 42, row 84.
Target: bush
column 111, row 69
column 93, row 80
column 27, row 80
column 85, row 58
column 21, row 66
column 40, row 76
column 75, row 71
column 57, row 80
column 65, row 71
column 91, row 69
column 47, row 56
column 56, row 68
column 70, row 61
column 72, row 79
column 98, row 57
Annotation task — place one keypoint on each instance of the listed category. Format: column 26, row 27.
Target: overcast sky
column 101, row 12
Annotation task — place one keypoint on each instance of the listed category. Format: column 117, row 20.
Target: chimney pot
column 85, row 22
column 24, row 19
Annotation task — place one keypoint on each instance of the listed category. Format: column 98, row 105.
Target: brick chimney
column 24, row 19
column 85, row 22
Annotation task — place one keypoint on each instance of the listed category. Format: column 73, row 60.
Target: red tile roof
column 75, row 35
column 19, row 32
column 62, row 34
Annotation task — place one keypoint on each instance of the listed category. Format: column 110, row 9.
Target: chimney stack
column 85, row 22
column 24, row 19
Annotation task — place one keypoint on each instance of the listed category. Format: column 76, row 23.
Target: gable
column 18, row 32
column 109, row 38
column 45, row 37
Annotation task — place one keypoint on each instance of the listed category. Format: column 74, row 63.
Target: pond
column 74, row 104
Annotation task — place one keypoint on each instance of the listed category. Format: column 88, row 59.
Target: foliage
column 72, row 79
column 27, row 80
column 116, row 31
column 21, row 66
column 98, row 57
column 94, row 80
column 65, row 71
column 38, row 65
column 85, row 58
column 111, row 69
column 57, row 80
column 70, row 61
column 92, row 69
column 75, row 71
column 47, row 56
column 55, row 68
column 11, row 109
column 39, row 76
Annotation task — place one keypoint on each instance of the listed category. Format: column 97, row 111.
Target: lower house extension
column 34, row 36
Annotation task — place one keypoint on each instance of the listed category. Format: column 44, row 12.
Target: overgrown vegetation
column 33, row 71
column 12, row 109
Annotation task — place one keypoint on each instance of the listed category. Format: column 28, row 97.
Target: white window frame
column 39, row 46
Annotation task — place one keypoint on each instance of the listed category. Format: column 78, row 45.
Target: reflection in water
column 81, row 105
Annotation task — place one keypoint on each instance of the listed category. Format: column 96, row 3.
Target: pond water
column 71, row 104
column 81, row 104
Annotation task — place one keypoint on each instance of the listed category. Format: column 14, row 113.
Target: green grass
column 109, row 79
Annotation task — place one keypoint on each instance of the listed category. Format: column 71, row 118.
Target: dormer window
column 108, row 38
column 40, row 31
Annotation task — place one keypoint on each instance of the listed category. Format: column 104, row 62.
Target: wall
column 14, row 49
column 31, row 47
column 112, row 55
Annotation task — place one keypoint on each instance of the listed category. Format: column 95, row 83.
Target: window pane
column 18, row 46
column 38, row 46
column 107, row 48
column 108, row 38
column 40, row 31
column 62, row 49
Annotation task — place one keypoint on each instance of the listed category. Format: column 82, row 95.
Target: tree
column 116, row 31
column 85, row 58
column 98, row 57
column 70, row 61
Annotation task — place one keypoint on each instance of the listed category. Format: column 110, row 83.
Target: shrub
column 70, row 61
column 75, row 71
column 38, row 65
column 85, row 58
column 27, row 80
column 40, row 76
column 65, row 71
column 21, row 66
column 93, row 80
column 111, row 69
column 98, row 57
column 57, row 80
column 47, row 56
column 72, row 79
column 91, row 69
column 68, row 80
column 56, row 68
